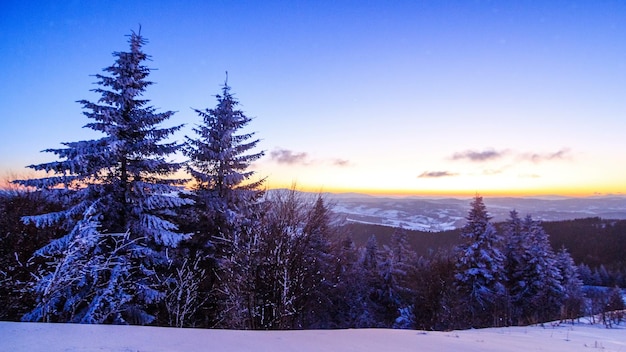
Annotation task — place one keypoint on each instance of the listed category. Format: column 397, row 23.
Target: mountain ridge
column 434, row 214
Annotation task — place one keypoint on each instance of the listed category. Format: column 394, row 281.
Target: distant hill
column 442, row 214
column 593, row 229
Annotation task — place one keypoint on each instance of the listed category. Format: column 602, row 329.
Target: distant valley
column 441, row 214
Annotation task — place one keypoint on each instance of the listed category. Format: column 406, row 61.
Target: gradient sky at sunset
column 404, row 97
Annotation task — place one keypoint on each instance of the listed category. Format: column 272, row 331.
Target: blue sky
column 409, row 97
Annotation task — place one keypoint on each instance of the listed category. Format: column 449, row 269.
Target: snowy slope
column 35, row 337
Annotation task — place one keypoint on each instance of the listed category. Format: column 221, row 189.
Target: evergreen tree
column 480, row 273
column 369, row 258
column 225, row 198
column 586, row 274
column 219, row 162
column 378, row 310
column 534, row 278
column 396, row 269
column 118, row 198
column 435, row 300
column 346, row 299
column 543, row 291
column 18, row 242
column 573, row 298
column 317, row 279
column 517, row 250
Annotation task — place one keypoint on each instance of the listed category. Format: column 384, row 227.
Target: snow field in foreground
column 34, row 337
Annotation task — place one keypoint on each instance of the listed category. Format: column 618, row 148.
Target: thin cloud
column 539, row 157
column 341, row 162
column 289, row 157
column 436, row 174
column 492, row 154
column 478, row 156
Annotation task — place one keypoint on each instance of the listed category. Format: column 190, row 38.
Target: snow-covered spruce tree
column 219, row 162
column 517, row 249
column 18, row 242
column 397, row 267
column 378, row 310
column 480, row 273
column 316, row 270
column 573, row 298
column 226, row 199
column 435, row 300
column 539, row 293
column 346, row 299
column 118, row 196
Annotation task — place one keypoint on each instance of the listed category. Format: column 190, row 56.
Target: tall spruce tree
column 480, row 273
column 543, row 290
column 118, row 196
column 377, row 308
column 573, row 299
column 226, row 211
column 397, row 268
column 534, row 279
column 219, row 162
column 517, row 249
column 315, row 271
column 347, row 303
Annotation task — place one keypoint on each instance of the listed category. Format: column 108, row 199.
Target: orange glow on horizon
column 589, row 191
column 565, row 190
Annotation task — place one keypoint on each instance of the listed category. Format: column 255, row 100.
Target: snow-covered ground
column 34, row 337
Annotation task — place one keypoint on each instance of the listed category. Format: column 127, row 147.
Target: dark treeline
column 424, row 243
column 595, row 244
column 109, row 235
